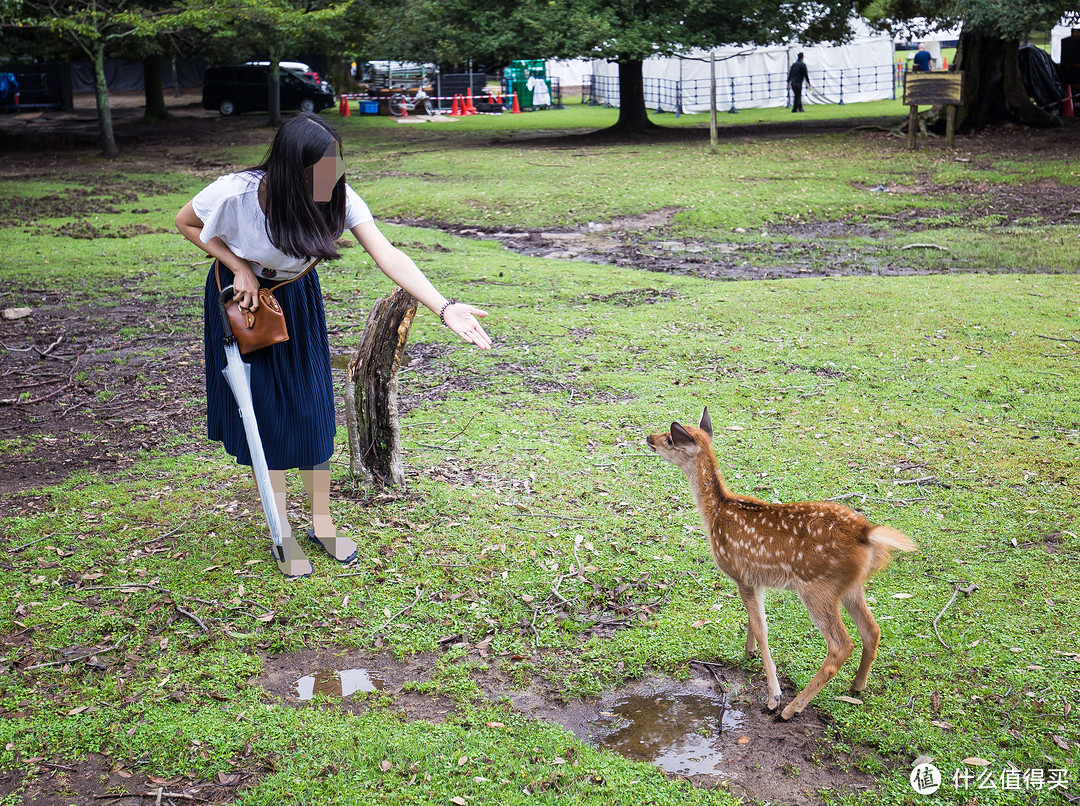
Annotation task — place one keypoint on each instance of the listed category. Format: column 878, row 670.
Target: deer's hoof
column 786, row 714
column 772, row 704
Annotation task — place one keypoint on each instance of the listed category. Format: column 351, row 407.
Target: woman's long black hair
column 294, row 222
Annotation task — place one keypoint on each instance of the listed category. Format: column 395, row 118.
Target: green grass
column 856, row 387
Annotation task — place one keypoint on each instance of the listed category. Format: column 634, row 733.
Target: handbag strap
column 273, row 288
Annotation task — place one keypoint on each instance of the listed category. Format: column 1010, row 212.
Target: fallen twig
column 462, row 431
column 865, row 497
column 191, row 616
column 403, row 610
column 154, row 794
column 923, row 480
column 145, row 586
column 690, row 574
column 552, row 517
column 14, row 401
column 27, row 545
column 967, row 591
column 77, row 658
column 712, row 667
column 49, row 349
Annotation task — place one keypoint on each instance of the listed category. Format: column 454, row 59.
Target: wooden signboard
column 933, row 89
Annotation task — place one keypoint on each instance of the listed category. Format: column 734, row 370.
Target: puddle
column 673, row 724
column 338, row 683
column 684, row 733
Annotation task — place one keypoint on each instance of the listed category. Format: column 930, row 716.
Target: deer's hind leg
column 824, row 609
column 855, row 603
column 754, row 602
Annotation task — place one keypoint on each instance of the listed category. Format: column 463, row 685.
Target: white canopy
column 1058, row 33
column 748, row 77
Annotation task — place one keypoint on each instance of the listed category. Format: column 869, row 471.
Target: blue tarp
column 9, row 89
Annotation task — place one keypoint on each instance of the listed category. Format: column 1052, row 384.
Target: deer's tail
column 890, row 539
column 883, row 542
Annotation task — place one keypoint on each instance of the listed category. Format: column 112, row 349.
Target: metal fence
column 733, row 93
column 40, row 88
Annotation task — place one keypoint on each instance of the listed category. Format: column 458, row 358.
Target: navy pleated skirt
column 291, row 387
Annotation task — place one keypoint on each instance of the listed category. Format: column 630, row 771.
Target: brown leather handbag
column 254, row 330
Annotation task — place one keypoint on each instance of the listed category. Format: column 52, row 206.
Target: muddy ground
column 674, row 724
column 709, row 729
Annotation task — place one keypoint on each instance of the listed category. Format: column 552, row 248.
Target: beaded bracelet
column 442, row 310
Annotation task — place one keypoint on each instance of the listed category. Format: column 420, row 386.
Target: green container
column 518, row 74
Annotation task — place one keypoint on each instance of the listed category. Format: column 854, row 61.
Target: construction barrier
column 460, row 105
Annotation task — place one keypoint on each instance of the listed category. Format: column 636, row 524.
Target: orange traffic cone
column 345, row 104
column 404, row 106
column 469, row 108
column 515, row 109
column 944, row 63
column 1067, row 106
column 341, row 105
column 455, row 110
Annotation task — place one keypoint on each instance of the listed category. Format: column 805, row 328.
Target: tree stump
column 371, row 393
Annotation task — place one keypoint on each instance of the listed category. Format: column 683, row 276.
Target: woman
column 268, row 224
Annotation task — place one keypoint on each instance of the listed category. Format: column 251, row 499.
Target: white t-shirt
column 229, row 209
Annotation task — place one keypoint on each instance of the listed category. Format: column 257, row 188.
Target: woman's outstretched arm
column 460, row 317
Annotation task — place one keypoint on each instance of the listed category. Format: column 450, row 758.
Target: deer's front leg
column 754, row 602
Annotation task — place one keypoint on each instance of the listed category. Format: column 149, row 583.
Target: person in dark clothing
column 795, row 78
column 922, row 60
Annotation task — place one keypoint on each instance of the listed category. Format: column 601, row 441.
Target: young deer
column 821, row 550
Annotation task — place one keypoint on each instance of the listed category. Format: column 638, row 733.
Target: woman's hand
column 461, row 318
column 246, row 289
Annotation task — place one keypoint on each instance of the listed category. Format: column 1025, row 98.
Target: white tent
column 754, row 77
column 569, row 72
column 1058, row 33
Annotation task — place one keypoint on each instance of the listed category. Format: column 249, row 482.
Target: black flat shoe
column 314, row 539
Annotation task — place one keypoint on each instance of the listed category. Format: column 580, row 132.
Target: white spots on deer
column 819, row 549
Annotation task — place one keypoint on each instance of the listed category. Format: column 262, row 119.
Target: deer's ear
column 680, row 437
column 706, row 424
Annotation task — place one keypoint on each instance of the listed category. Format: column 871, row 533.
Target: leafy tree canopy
column 500, row 30
column 992, row 18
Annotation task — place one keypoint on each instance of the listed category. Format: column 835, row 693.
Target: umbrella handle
column 225, row 297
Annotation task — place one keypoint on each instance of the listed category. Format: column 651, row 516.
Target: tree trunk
column 153, row 89
column 993, row 91
column 372, row 392
column 633, row 118
column 273, row 88
column 340, row 74
column 101, row 97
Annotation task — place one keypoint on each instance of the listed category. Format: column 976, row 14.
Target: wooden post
column 713, row 138
column 371, row 392
column 937, row 88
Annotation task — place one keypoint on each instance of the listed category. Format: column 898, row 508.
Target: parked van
column 232, row 89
